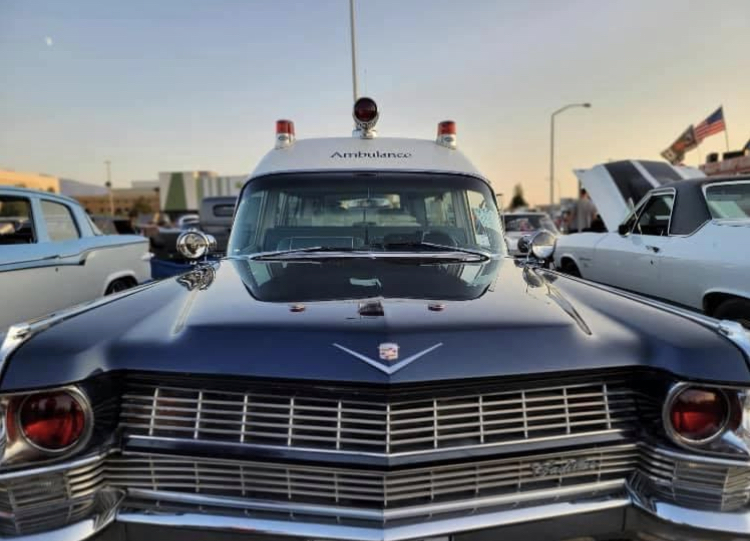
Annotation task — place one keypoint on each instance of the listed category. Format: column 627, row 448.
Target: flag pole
column 726, row 131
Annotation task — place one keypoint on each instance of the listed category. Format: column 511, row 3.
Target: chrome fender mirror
column 523, row 245
column 542, row 245
column 194, row 244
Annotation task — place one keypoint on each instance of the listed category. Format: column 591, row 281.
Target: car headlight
column 42, row 425
column 708, row 418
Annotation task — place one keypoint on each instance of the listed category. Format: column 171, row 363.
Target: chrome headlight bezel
column 16, row 448
column 732, row 440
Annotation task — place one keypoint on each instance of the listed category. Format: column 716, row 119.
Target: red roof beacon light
column 284, row 133
column 365, row 115
column 446, row 135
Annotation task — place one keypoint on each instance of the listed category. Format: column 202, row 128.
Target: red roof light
column 365, row 110
column 447, row 127
column 284, row 126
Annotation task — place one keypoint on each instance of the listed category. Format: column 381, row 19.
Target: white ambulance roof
column 354, row 154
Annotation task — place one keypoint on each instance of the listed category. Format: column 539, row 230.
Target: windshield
column 730, row 200
column 528, row 223
column 300, row 281
column 365, row 211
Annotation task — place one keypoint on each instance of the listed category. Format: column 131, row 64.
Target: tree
column 518, row 200
column 141, row 206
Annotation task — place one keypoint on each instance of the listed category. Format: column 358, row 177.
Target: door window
column 16, row 224
column 654, row 219
column 60, row 223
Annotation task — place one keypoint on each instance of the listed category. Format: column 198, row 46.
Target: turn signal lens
column 52, row 421
column 697, row 415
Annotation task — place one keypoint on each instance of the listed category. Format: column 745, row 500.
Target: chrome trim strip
column 697, row 458
column 65, row 260
column 383, row 367
column 573, row 438
column 706, row 521
column 731, row 330
column 385, row 515
column 74, row 532
column 339, row 532
column 21, row 332
column 52, row 468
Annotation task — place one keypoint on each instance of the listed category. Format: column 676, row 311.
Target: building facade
column 184, row 190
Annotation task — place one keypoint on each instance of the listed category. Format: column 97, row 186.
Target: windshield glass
column 528, row 223
column 365, row 211
column 729, row 200
column 299, row 281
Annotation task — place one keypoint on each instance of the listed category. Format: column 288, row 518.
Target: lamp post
column 552, row 148
column 109, row 187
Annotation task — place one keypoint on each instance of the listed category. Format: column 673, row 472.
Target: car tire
column 735, row 310
column 118, row 285
column 569, row 267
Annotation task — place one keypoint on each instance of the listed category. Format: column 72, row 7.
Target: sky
column 186, row 85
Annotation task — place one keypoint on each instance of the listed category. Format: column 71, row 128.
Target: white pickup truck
column 52, row 256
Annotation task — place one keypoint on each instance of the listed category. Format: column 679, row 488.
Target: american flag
column 711, row 126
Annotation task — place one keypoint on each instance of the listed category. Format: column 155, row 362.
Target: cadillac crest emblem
column 388, row 351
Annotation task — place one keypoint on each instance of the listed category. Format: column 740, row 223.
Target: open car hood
column 616, row 187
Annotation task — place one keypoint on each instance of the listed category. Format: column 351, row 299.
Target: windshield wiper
column 435, row 252
column 312, row 250
column 432, row 247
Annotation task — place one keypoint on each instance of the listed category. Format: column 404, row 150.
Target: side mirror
column 524, row 244
column 542, row 245
column 194, row 244
column 623, row 229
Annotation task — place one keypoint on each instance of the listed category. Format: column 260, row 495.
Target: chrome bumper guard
column 642, row 507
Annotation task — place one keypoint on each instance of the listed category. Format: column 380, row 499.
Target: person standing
column 583, row 214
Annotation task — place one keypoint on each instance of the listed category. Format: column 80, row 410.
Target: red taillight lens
column 365, row 110
column 284, row 126
column 447, row 127
column 699, row 414
column 52, row 421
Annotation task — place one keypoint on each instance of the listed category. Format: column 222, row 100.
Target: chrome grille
column 34, row 503
column 373, row 490
column 297, row 419
column 698, row 485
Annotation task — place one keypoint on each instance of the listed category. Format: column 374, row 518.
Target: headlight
column 698, row 415
column 708, row 418
column 43, row 425
column 53, row 422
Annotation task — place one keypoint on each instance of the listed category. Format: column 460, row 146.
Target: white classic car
column 522, row 223
column 686, row 241
column 52, row 256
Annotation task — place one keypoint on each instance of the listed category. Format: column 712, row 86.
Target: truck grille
column 303, row 420
column 261, row 481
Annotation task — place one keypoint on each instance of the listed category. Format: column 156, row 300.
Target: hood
column 261, row 320
column 616, row 187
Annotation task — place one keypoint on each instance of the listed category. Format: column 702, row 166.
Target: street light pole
column 109, row 187
column 552, row 148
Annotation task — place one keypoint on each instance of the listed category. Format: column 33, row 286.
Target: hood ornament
column 388, row 352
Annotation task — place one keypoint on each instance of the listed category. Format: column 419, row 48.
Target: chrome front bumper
column 621, row 515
